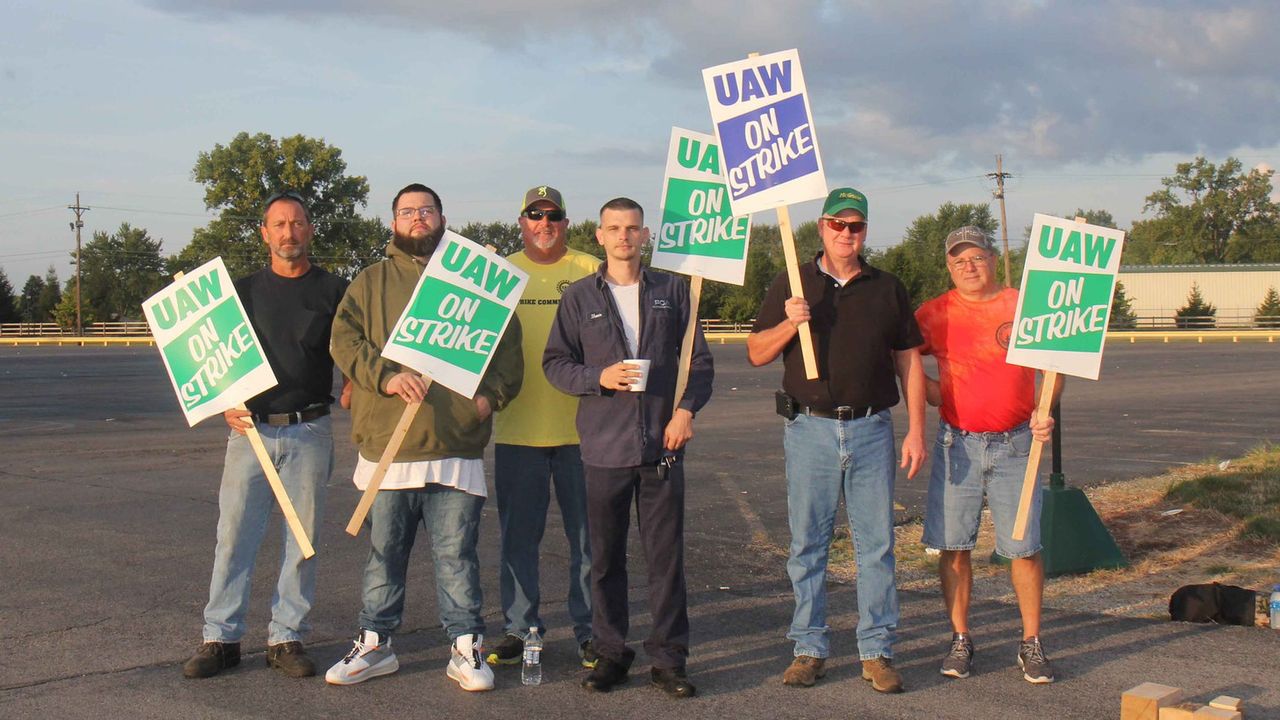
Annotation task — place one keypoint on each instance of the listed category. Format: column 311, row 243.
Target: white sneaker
column 370, row 657
column 465, row 665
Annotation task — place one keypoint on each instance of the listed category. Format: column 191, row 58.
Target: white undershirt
column 627, row 298
column 465, row 474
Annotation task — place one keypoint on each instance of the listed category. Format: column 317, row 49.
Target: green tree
column 582, row 236
column 1217, row 213
column 919, row 261
column 8, row 303
column 1122, row 315
column 239, row 176
column 1268, row 313
column 49, row 297
column 503, row 236
column 1196, row 313
column 29, row 300
column 64, row 313
column 118, row 271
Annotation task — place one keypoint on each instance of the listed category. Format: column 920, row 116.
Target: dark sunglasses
column 854, row 226
column 550, row 215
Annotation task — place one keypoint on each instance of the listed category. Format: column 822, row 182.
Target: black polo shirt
column 855, row 329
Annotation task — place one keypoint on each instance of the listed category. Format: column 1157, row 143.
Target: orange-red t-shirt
column 980, row 391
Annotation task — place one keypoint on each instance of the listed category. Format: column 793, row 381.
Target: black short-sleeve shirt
column 292, row 318
column 856, row 328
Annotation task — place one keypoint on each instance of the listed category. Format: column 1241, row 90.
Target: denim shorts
column 965, row 466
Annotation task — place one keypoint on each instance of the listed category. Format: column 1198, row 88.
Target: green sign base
column 1074, row 538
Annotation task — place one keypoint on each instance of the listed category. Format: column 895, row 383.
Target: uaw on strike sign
column 1065, row 303
column 457, row 314
column 214, row 359
column 765, row 128
column 699, row 234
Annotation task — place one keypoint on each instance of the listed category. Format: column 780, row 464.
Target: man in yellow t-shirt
column 536, row 443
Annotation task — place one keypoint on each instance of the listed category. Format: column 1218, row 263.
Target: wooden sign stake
column 388, row 455
column 797, row 290
column 1047, row 389
column 690, row 331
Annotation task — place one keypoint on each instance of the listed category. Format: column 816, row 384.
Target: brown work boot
column 212, row 658
column 884, row 678
column 804, row 671
column 290, row 659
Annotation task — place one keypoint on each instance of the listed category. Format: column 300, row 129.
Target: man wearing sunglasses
column 437, row 478
column 838, row 436
column 536, row 445
column 291, row 304
column 985, row 434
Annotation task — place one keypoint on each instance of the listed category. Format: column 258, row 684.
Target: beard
column 421, row 247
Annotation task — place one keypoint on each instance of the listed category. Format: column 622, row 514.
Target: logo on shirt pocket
column 661, row 304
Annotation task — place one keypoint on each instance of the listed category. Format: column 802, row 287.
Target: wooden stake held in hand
column 277, row 487
column 797, row 290
column 1047, row 389
column 690, row 331
column 388, row 455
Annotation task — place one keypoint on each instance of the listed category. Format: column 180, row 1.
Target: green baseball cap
column 845, row 198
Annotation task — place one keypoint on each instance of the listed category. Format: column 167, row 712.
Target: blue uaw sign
column 765, row 130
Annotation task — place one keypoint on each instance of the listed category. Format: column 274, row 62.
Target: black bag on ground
column 1215, row 603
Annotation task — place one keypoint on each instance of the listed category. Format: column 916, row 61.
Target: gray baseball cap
column 969, row 235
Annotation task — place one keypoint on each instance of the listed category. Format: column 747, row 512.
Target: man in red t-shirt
column 983, row 441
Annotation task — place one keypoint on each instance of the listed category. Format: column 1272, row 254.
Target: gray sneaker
column 957, row 662
column 1035, row 666
column 370, row 657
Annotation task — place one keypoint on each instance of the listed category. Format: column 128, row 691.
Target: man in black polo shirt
column 839, row 435
column 291, row 304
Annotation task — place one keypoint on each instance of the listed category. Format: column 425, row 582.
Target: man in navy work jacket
column 632, row 441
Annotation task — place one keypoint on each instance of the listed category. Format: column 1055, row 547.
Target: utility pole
column 999, row 175
column 79, row 210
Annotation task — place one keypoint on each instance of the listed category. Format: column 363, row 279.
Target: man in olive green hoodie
column 437, row 477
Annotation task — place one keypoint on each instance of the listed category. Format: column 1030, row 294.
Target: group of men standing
column 571, row 353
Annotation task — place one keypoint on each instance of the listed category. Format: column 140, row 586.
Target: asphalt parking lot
column 107, row 527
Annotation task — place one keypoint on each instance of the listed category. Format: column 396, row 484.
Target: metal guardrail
column 105, row 329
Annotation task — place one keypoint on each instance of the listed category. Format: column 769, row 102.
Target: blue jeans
column 964, row 465
column 452, row 517
column 523, row 476
column 303, row 457
column 825, row 458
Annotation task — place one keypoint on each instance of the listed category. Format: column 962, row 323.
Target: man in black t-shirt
column 291, row 305
column 839, row 435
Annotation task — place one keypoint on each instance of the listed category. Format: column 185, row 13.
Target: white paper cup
column 643, row 382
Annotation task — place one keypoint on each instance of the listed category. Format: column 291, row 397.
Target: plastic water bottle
column 531, row 671
column 1275, row 608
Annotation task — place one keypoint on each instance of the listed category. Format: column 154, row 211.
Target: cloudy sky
column 1089, row 102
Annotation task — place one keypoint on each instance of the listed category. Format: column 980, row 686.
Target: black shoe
column 212, row 658
column 587, row 653
column 290, row 659
column 605, row 675
column 672, row 682
column 508, row 652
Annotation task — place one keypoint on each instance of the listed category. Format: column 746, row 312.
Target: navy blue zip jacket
column 624, row 429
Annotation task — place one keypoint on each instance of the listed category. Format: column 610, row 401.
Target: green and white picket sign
column 450, row 328
column 699, row 234
column 1065, row 302
column 213, row 356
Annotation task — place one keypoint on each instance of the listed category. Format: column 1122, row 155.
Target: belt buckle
column 844, row 412
column 295, row 417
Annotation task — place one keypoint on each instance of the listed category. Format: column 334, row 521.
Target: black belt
column 293, row 418
column 844, row 412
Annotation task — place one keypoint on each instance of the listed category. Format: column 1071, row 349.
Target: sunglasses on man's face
column 839, row 226
column 550, row 215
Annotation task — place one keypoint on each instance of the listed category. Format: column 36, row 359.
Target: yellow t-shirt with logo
column 542, row 416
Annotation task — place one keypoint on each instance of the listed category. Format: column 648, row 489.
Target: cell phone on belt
column 785, row 405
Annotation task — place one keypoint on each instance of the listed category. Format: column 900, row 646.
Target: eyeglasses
column 972, row 260
column 550, row 215
column 839, row 226
column 423, row 212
